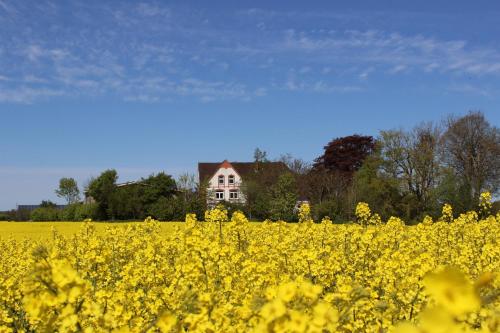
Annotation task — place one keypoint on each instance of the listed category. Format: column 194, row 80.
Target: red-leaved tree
column 345, row 154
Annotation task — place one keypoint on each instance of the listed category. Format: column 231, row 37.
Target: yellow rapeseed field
column 218, row 276
column 44, row 230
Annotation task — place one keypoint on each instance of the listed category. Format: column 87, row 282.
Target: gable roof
column 207, row 170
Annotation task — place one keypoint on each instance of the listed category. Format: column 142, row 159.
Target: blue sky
column 155, row 85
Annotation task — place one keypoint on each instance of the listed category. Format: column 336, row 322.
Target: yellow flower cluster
column 485, row 203
column 305, row 213
column 230, row 275
column 456, row 305
column 364, row 215
column 447, row 213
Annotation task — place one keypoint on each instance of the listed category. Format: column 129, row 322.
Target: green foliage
column 45, row 214
column 47, row 211
column 127, row 203
column 68, row 213
column 68, row 189
column 283, row 197
column 135, row 201
column 167, row 209
column 5, row 216
column 257, row 199
column 86, row 211
column 260, row 156
column 157, row 186
column 47, row 204
column 78, row 212
column 377, row 189
column 331, row 208
column 455, row 191
column 22, row 215
column 175, row 207
column 102, row 189
column 257, row 186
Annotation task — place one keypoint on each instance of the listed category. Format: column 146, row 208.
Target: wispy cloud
column 4, row 5
column 26, row 95
column 148, row 9
column 151, row 52
column 470, row 89
column 394, row 50
column 295, row 85
column 401, row 68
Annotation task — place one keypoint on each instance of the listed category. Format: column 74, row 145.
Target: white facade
column 225, row 185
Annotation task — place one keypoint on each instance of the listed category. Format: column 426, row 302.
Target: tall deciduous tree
column 260, row 156
column 68, row 189
column 379, row 190
column 283, row 197
column 102, row 189
column 328, row 183
column 296, row 165
column 156, row 186
column 471, row 147
column 346, row 154
column 411, row 157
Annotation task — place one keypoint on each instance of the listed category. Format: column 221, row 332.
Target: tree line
column 408, row 173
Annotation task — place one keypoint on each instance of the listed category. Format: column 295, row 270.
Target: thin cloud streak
column 178, row 54
column 395, row 50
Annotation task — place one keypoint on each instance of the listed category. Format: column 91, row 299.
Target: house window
column 221, row 180
column 230, row 179
column 233, row 194
column 219, row 195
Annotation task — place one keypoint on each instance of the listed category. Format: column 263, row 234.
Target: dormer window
column 230, row 180
column 221, row 179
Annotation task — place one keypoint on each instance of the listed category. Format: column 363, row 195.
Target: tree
column 47, row 211
column 345, row 154
column 47, row 204
column 327, row 184
column 134, row 200
column 86, row 211
column 454, row 190
column 165, row 209
column 411, row 159
column 283, row 197
column 320, row 185
column 296, row 165
column 187, row 182
column 257, row 185
column 192, row 193
column 260, row 156
column 68, row 189
column 102, row 189
column 127, row 202
column 157, row 186
column 377, row 188
column 471, row 148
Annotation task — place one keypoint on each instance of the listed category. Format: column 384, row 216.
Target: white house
column 225, row 180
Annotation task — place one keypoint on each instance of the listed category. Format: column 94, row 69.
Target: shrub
column 85, row 211
column 45, row 214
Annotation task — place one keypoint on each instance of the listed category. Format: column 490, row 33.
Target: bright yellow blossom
column 213, row 276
